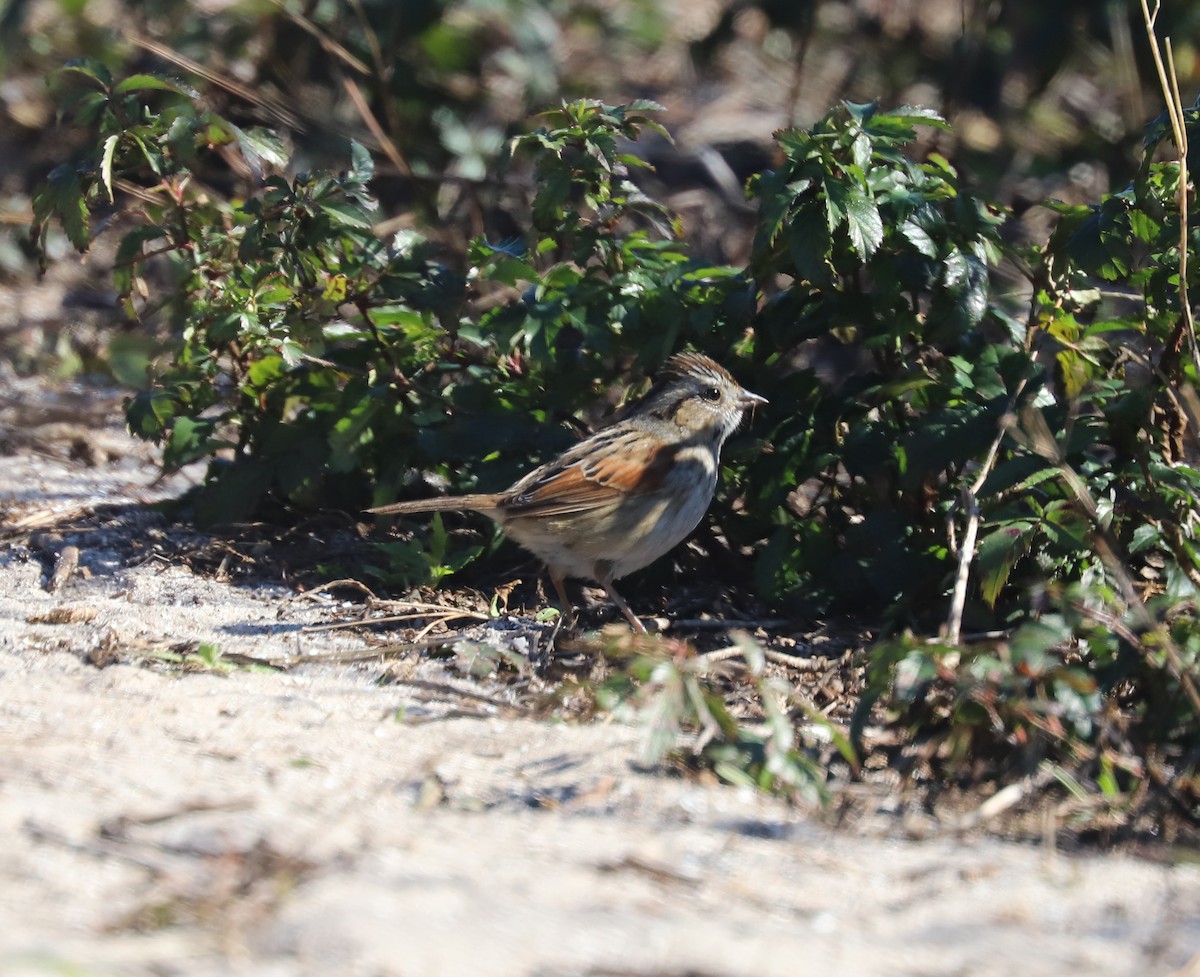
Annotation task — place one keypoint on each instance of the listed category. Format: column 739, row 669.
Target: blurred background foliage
column 1044, row 100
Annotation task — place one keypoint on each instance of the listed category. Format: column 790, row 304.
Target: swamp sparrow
column 623, row 497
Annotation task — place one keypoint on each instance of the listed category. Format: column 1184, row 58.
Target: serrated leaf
column 106, row 163
column 919, row 238
column 795, row 143
column 259, row 145
column 836, row 196
column 774, row 205
column 345, row 213
column 645, row 105
column 863, row 222
column 809, row 244
column 62, row 196
column 1145, row 536
column 292, row 352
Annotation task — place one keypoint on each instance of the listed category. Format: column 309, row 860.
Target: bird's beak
column 747, row 400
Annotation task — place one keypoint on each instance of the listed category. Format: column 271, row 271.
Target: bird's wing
column 598, row 472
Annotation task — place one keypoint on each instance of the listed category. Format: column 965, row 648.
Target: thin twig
column 738, row 651
column 444, row 614
column 966, row 551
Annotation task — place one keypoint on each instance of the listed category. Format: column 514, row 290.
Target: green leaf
column 1075, row 371
column 87, row 68
column 260, row 145
column 347, row 214
column 190, row 440
column 860, row 111
column 797, row 144
column 62, row 196
column 553, row 192
column 997, row 555
column 1146, row 536
column 863, row 222
column 1033, row 640
column 809, row 245
column 362, row 166
column 918, row 115
column 128, row 252
column 147, row 82
column 149, row 412
column 106, row 163
column 919, row 238
column 508, row 270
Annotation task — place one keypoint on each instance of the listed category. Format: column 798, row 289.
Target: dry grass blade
column 738, row 651
column 347, row 582
column 419, row 610
column 43, row 519
column 386, row 143
column 277, row 110
column 322, row 38
column 1169, row 82
column 439, row 616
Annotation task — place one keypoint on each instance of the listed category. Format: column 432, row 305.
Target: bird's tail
column 445, row 503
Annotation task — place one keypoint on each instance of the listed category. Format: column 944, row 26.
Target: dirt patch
column 169, row 810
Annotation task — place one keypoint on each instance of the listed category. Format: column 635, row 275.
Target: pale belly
column 624, row 537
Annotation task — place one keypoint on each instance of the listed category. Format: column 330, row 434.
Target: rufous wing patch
column 595, row 478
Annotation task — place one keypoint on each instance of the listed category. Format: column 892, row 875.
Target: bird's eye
column 711, row 394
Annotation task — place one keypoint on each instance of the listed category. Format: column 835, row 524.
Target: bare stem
column 966, row 551
column 1169, row 81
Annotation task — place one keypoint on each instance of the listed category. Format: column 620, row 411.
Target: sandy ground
column 320, row 821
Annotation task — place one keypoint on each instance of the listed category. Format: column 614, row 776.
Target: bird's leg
column 568, row 612
column 606, row 582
